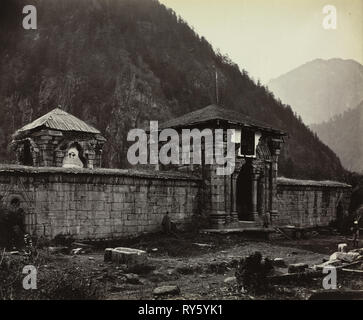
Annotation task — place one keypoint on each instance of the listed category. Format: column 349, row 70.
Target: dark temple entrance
column 244, row 193
column 27, row 158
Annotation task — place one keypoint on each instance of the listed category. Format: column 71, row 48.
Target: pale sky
column 270, row 37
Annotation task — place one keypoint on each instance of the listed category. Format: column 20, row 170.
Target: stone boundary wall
column 307, row 203
column 98, row 203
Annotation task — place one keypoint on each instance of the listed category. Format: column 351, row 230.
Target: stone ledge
column 162, row 175
column 281, row 181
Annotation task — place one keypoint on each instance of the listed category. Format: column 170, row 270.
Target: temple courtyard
column 201, row 266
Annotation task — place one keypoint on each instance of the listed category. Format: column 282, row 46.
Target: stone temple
column 250, row 192
column 63, row 189
column 57, row 137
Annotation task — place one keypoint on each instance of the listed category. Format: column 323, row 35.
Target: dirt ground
column 199, row 265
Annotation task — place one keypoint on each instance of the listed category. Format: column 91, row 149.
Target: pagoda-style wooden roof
column 214, row 113
column 57, row 119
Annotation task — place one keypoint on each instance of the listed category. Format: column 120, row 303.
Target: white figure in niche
column 72, row 159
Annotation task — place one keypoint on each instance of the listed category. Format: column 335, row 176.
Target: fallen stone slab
column 339, row 266
column 358, row 250
column 166, row 290
column 77, row 251
column 330, row 263
column 297, row 267
column 128, row 256
column 87, row 248
column 345, row 256
column 55, row 250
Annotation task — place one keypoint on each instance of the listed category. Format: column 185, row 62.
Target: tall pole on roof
column 217, row 97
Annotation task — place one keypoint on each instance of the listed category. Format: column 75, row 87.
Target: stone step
column 251, row 231
column 247, row 224
column 238, row 230
column 240, row 225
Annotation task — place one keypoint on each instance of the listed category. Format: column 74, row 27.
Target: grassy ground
column 198, row 264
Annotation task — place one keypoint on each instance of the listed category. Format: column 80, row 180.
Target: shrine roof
column 214, row 112
column 58, row 119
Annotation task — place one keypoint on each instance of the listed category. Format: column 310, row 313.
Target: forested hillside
column 119, row 63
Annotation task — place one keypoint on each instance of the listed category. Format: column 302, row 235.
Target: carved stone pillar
column 273, row 183
column 271, row 194
column 227, row 196
column 233, row 189
column 261, row 196
column 268, row 193
column 90, row 155
column 254, row 212
column 217, row 198
column 234, row 213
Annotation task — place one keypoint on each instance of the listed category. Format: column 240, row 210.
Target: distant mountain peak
column 348, row 143
column 331, row 61
column 320, row 89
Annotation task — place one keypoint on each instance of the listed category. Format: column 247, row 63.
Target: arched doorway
column 340, row 211
column 27, row 158
column 340, row 216
column 244, row 193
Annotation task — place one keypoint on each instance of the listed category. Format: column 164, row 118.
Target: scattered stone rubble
column 56, row 250
column 76, row 248
column 128, row 258
column 342, row 258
